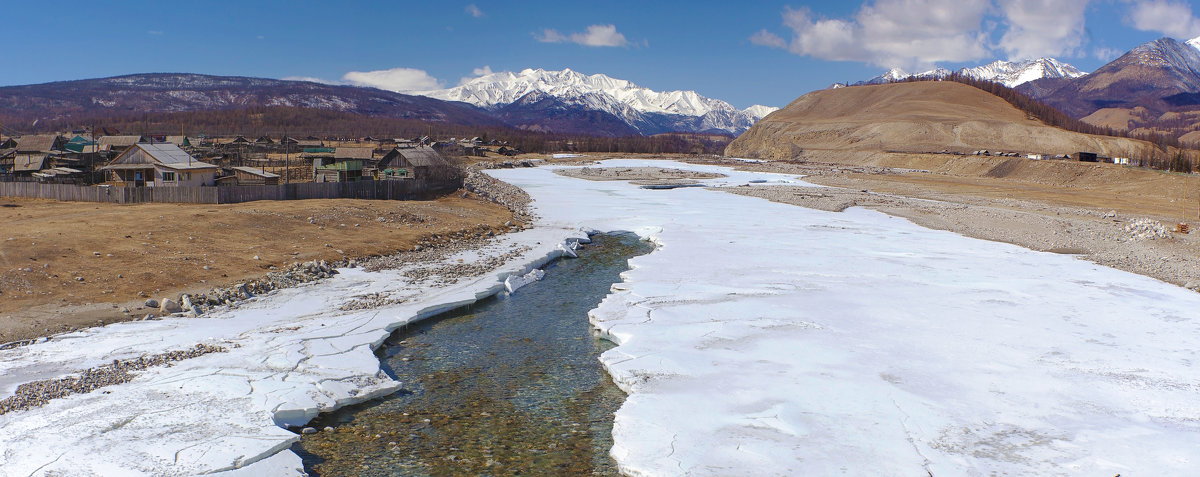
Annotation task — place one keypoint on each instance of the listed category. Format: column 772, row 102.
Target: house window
column 168, row 176
column 185, row 176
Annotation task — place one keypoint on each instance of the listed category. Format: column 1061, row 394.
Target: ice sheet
column 768, row 339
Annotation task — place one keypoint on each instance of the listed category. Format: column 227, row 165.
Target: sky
column 758, row 52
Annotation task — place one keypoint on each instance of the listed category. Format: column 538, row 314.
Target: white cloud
column 766, row 38
column 1174, row 19
column 907, row 33
column 1106, row 54
column 595, row 35
column 475, row 73
column 396, row 79
column 1038, row 28
column 474, row 11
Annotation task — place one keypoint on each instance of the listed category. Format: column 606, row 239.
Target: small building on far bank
column 159, row 165
column 252, row 176
column 413, row 163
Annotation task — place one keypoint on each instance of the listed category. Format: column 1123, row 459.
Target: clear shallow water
column 510, row 386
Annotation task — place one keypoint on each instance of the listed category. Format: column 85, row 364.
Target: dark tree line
column 326, row 124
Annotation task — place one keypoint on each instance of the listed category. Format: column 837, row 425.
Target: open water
column 509, row 386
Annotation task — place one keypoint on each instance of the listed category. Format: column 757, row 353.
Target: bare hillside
column 930, row 116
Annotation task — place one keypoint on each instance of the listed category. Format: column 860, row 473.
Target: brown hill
column 929, row 116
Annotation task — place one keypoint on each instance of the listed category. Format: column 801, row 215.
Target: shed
column 1087, row 157
column 252, row 176
column 159, row 165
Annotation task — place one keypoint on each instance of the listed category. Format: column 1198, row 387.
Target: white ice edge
column 758, row 338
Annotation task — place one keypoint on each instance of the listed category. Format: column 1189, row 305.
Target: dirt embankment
column 67, row 265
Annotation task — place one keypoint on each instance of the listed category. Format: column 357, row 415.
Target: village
column 158, row 168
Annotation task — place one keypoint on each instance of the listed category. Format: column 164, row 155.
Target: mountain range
column 1154, row 87
column 577, row 101
column 537, row 100
column 1008, row 73
column 182, row 92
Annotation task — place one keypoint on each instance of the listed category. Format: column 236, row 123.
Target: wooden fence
column 370, row 190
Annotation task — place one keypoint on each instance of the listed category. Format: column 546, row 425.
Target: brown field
column 67, row 265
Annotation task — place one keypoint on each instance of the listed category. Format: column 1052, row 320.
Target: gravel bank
column 38, row 393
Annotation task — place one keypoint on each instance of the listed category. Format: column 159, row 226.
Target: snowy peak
column 1194, row 42
column 1008, row 73
column 644, row 109
column 896, row 74
column 759, row 111
column 1013, row 74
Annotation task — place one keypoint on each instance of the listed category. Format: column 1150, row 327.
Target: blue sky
column 743, row 52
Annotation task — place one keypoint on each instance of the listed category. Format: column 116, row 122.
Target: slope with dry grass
column 910, row 117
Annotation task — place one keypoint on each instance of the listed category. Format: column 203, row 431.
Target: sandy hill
column 929, row 116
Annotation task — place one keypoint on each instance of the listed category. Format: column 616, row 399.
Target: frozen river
column 758, row 339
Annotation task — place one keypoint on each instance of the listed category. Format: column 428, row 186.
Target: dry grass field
column 66, row 265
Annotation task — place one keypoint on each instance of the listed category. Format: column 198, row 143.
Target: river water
column 510, row 386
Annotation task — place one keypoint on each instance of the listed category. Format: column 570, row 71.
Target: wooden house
column 413, row 163
column 345, row 165
column 32, row 153
column 264, row 141
column 253, row 176
column 8, row 143
column 159, row 165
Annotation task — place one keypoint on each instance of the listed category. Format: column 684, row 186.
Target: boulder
column 170, row 306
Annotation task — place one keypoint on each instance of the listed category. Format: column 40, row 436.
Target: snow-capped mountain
column 896, row 74
column 645, row 110
column 1194, row 42
column 1013, row 74
column 1158, row 76
column 1008, row 73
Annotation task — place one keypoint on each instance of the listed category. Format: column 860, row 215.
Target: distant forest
column 279, row 121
